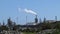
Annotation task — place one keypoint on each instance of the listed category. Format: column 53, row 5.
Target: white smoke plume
column 30, row 11
column 27, row 11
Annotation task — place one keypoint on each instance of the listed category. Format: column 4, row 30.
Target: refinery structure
column 29, row 25
column 36, row 26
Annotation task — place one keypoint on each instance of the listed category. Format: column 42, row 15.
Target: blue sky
column 43, row 8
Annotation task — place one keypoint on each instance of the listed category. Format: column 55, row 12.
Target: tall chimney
column 36, row 19
column 55, row 18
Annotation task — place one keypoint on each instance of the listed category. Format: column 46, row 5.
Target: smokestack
column 44, row 20
column 17, row 19
column 26, row 19
column 56, row 18
column 36, row 19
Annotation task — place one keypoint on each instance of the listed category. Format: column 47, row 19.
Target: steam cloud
column 30, row 11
